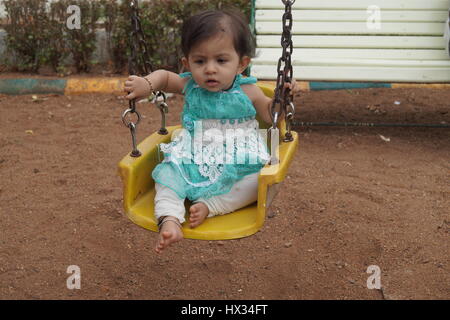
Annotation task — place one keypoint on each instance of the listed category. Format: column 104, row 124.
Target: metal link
column 282, row 97
column 288, row 2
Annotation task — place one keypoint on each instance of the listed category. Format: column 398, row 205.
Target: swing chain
column 139, row 63
column 140, row 46
column 283, row 97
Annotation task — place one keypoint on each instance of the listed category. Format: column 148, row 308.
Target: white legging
column 243, row 193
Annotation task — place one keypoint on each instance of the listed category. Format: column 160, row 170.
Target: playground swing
column 135, row 168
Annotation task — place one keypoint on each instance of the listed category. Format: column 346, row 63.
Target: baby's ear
column 245, row 61
column 185, row 63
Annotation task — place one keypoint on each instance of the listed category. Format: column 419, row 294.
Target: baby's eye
column 198, row 61
column 221, row 60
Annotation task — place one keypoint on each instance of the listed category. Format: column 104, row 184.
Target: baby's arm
column 260, row 101
column 263, row 103
column 160, row 80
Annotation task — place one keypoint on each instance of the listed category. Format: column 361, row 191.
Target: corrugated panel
column 345, row 73
column 358, row 4
column 333, row 41
column 363, row 62
column 265, row 55
column 396, row 28
column 389, row 42
column 352, row 15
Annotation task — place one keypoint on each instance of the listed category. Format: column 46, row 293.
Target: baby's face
column 214, row 63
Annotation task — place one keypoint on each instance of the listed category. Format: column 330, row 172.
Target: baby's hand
column 138, row 88
column 293, row 86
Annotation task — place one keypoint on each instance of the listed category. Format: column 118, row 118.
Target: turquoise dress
column 219, row 143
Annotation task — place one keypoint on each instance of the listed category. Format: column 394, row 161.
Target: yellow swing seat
column 139, row 189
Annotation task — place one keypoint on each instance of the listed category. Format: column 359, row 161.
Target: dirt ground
column 354, row 197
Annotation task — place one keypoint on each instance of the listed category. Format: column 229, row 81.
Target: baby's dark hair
column 208, row 23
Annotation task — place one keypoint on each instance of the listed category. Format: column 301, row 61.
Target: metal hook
column 135, row 152
column 275, row 120
column 163, row 109
column 124, row 114
column 288, row 2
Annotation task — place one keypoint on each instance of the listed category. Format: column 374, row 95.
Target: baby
column 217, row 47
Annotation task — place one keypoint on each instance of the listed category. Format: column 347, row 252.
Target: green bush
column 38, row 36
column 161, row 22
column 82, row 42
column 117, row 27
column 25, row 21
column 57, row 51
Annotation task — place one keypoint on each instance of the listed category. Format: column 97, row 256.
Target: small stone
column 271, row 214
column 288, row 244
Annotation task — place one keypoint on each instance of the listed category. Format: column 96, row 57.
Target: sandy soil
column 354, row 197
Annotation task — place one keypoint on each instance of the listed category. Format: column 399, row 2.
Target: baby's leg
column 243, row 193
column 168, row 204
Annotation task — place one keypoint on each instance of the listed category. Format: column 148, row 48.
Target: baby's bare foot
column 198, row 213
column 170, row 232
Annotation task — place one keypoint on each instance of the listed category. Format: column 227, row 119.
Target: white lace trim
column 216, row 142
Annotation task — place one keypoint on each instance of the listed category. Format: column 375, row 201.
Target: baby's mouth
column 212, row 82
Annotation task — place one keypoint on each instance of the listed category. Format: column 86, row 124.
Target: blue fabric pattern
column 212, row 175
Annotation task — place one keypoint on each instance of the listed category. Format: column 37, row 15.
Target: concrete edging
column 115, row 86
column 62, row 86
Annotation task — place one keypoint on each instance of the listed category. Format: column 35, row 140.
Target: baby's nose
column 210, row 67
